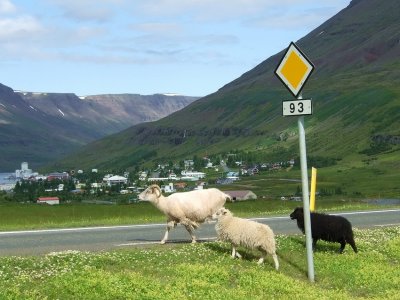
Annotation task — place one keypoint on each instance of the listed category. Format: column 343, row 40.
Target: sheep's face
column 152, row 193
column 220, row 213
column 297, row 213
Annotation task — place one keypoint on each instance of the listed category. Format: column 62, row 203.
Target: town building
column 241, row 195
column 48, row 200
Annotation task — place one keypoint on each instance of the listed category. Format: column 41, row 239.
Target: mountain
column 42, row 127
column 355, row 90
column 109, row 113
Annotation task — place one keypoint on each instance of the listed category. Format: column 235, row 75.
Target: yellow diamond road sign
column 294, row 69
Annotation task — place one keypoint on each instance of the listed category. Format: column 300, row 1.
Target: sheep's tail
column 350, row 240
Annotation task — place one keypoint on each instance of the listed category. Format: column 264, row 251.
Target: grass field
column 199, row 271
column 33, row 216
column 206, row 271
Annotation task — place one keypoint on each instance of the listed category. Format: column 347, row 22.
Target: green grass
column 33, row 216
column 206, row 271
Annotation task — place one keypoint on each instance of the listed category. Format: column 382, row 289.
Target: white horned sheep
column 186, row 208
column 246, row 233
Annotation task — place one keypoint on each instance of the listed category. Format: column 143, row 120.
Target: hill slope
column 42, row 127
column 355, row 90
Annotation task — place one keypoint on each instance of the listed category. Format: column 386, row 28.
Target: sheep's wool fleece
column 246, row 233
column 194, row 205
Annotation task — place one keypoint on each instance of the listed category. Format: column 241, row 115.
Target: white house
column 116, row 179
column 25, row 172
column 155, row 179
column 172, row 176
column 193, row 174
column 233, row 175
column 142, row 176
column 168, row 188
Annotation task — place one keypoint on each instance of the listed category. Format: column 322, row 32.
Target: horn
column 156, row 189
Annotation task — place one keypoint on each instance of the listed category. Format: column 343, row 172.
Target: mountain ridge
column 354, row 90
column 42, row 127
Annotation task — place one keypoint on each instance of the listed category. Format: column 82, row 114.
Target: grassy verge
column 33, row 216
column 206, row 271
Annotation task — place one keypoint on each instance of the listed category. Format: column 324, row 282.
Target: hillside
column 42, row 127
column 355, row 91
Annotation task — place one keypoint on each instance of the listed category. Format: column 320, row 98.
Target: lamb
column 327, row 228
column 246, row 233
column 186, row 208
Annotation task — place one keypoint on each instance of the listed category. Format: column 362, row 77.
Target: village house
column 48, row 200
column 169, row 188
column 180, row 185
column 59, row 176
column 142, row 176
column 193, row 174
column 233, row 175
column 116, row 179
column 241, row 195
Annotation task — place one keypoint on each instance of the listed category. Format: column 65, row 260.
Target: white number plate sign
column 297, row 107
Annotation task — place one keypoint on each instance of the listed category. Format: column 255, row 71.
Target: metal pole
column 306, row 204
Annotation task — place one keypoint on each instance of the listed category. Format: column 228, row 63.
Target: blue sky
column 190, row 47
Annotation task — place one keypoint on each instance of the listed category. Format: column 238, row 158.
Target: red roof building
column 48, row 200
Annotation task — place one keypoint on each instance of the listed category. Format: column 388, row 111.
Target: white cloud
column 7, row 7
column 88, row 10
column 158, row 27
column 223, row 10
column 203, row 9
column 286, row 19
column 19, row 27
column 223, row 38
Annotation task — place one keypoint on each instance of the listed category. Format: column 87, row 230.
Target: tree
column 198, row 163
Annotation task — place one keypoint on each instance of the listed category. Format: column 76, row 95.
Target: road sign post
column 306, row 204
column 293, row 70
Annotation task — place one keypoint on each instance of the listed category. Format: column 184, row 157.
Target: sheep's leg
column 189, row 229
column 190, row 226
column 235, row 253
column 275, row 257
column 261, row 260
column 314, row 244
column 342, row 245
column 194, row 225
column 170, row 225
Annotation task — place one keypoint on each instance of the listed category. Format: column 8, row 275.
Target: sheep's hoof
column 162, row 242
column 260, row 261
column 194, row 241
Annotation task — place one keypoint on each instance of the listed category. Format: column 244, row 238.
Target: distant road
column 37, row 242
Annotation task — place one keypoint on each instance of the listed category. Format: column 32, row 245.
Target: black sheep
column 327, row 228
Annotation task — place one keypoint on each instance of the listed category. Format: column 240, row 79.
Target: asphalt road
column 38, row 242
